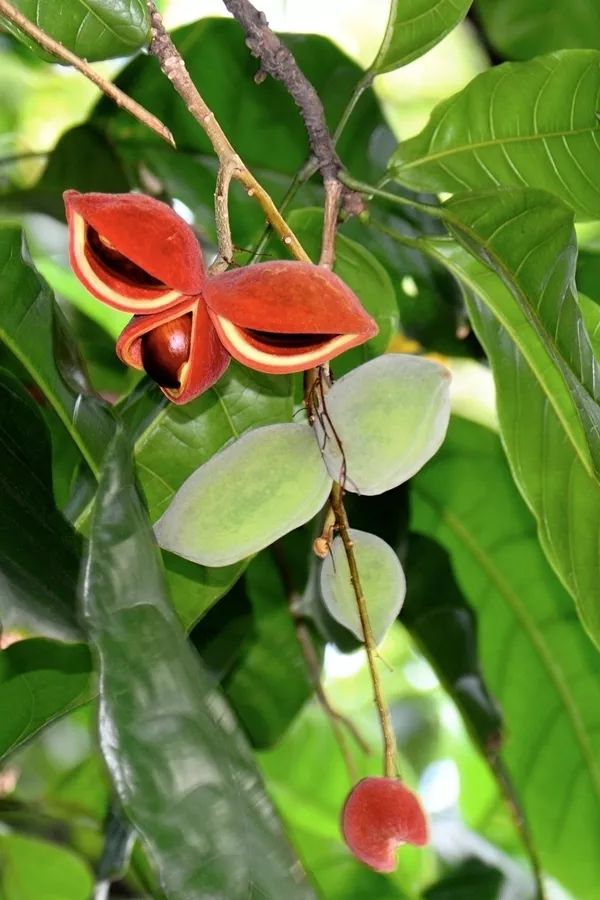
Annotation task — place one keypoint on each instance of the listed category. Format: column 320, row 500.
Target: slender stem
column 389, row 740
column 172, row 64
column 299, row 179
column 435, row 212
column 52, row 46
column 333, row 196
column 365, row 82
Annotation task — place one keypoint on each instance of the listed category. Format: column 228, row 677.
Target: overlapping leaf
column 40, row 680
column 182, row 770
column 539, row 664
column 414, row 27
column 520, row 124
column 520, row 30
column 552, row 477
column 93, row 29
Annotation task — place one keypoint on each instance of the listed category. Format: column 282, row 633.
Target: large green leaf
column 414, row 27
column 33, row 329
column 522, row 124
column 40, row 680
column 93, row 29
column 521, row 29
column 539, row 663
column 182, row 770
column 31, row 869
column 552, row 477
column 39, row 552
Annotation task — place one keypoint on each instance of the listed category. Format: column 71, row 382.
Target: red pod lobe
column 381, row 814
column 286, row 316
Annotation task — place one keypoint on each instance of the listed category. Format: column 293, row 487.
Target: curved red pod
column 178, row 348
column 131, row 251
column 380, row 815
column 286, row 316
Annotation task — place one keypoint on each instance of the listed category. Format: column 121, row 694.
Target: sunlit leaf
column 528, row 124
column 382, row 581
column 183, row 772
column 383, row 421
column 414, row 27
column 269, row 481
column 31, row 869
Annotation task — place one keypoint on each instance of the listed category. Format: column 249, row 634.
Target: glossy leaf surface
column 39, row 552
column 528, row 124
column 414, row 27
column 181, row 768
column 382, row 581
column 521, row 30
column 564, row 498
column 527, row 636
column 33, row 330
column 93, row 29
column 390, row 416
column 268, row 482
column 40, row 680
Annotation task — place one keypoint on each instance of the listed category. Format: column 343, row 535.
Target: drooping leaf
column 40, row 680
column 528, row 124
column 521, row 30
column 31, row 868
column 414, row 27
column 466, row 500
column 269, row 684
column 33, row 329
column 389, row 416
column 381, row 578
column 182, row 770
column 268, row 482
column 93, row 29
column 39, row 552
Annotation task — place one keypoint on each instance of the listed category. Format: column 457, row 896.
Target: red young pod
column 381, row 814
column 132, row 252
column 286, row 316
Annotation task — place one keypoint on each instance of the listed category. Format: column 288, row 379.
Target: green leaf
column 414, row 27
column 466, row 500
column 93, row 29
column 383, row 421
column 33, row 329
column 268, row 482
column 471, row 880
column 270, row 683
column 521, row 30
column 520, row 124
column 39, row 552
column 31, row 869
column 381, row 578
column 527, row 238
column 40, row 680
column 182, row 770
column 552, row 477
column 360, row 270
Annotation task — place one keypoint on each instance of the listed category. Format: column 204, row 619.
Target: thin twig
column 389, row 741
column 172, row 64
column 51, row 46
column 333, row 196
column 278, row 61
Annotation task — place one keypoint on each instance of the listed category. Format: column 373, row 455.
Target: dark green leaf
column 33, row 329
column 539, row 664
column 414, row 27
column 39, row 553
column 93, row 29
column 31, row 869
column 182, row 770
column 472, row 880
column 269, row 685
column 520, row 124
column 521, row 29
column 40, row 680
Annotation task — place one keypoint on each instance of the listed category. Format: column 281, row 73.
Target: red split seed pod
column 381, row 814
column 286, row 316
